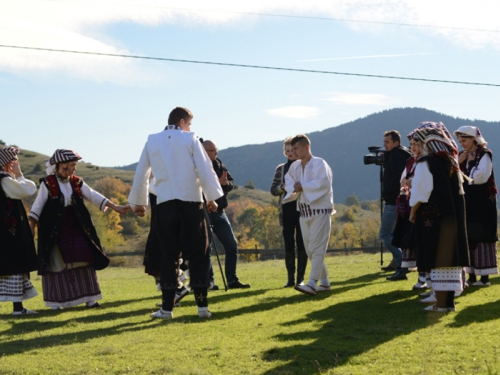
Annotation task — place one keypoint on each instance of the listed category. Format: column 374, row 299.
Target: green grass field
column 365, row 325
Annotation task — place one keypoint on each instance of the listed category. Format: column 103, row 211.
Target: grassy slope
column 366, row 325
column 89, row 172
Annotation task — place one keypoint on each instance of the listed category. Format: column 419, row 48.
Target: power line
column 254, row 66
column 283, row 16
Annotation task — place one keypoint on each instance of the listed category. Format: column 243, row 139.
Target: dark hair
column 394, row 134
column 302, row 139
column 178, row 114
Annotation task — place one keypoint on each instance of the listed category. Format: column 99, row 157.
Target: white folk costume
column 183, row 173
column 69, row 251
column 315, row 203
column 17, row 252
column 481, row 207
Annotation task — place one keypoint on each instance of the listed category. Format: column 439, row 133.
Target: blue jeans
column 224, row 232
column 385, row 234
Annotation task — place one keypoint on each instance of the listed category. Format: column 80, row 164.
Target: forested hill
column 343, row 148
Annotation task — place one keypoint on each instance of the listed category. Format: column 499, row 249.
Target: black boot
column 290, row 268
column 301, row 266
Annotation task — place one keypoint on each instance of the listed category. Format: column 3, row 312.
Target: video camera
column 377, row 159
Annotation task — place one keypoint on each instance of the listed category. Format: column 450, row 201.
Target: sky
column 104, row 107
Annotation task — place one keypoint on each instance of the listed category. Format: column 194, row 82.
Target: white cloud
column 296, row 112
column 349, row 98
column 80, row 25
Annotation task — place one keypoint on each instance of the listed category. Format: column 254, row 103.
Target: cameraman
column 395, row 162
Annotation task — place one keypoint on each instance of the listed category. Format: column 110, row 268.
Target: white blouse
column 88, row 193
column 422, row 184
column 19, row 188
column 481, row 172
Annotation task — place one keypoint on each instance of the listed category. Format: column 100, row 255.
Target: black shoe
column 388, row 268
column 237, row 285
column 95, row 305
column 397, row 276
column 289, row 284
column 213, row 287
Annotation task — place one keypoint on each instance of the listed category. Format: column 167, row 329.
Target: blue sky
column 104, row 107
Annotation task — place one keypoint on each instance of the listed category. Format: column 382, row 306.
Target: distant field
column 366, row 325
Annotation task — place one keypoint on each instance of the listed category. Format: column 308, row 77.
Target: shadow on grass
column 345, row 330
column 476, row 314
column 67, row 319
column 363, row 279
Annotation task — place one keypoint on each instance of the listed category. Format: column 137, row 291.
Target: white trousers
column 316, row 233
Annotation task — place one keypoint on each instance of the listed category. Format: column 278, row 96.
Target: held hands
column 122, row 210
column 223, row 179
column 212, row 206
column 139, row 211
column 297, row 187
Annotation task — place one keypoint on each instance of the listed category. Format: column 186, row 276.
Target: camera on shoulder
column 376, row 157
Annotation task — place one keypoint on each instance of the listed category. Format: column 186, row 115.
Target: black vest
column 17, row 249
column 480, row 203
column 51, row 219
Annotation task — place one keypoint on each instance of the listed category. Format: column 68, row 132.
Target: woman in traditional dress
column 289, row 219
column 438, row 211
column 481, row 204
column 69, row 251
column 17, row 252
column 404, row 228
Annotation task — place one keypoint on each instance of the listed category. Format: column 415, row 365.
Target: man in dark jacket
column 395, row 162
column 219, row 221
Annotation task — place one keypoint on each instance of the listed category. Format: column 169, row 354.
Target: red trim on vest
column 53, row 185
column 76, row 182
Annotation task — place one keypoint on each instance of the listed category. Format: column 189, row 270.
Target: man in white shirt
column 183, row 174
column 309, row 182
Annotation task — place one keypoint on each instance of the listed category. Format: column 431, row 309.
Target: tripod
column 212, row 243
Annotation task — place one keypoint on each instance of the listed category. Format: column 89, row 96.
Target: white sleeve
column 421, row 185
column 403, row 175
column 97, row 199
column 290, row 179
column 208, row 178
column 18, row 188
column 482, row 172
column 139, row 192
column 322, row 184
column 41, row 199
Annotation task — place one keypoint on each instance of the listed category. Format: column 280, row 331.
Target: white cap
column 471, row 131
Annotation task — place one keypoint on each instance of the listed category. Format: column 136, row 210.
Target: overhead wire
column 253, row 66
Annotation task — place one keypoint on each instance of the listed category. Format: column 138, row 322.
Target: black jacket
column 395, row 163
column 219, row 167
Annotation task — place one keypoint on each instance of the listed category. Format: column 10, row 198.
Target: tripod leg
column 212, row 244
